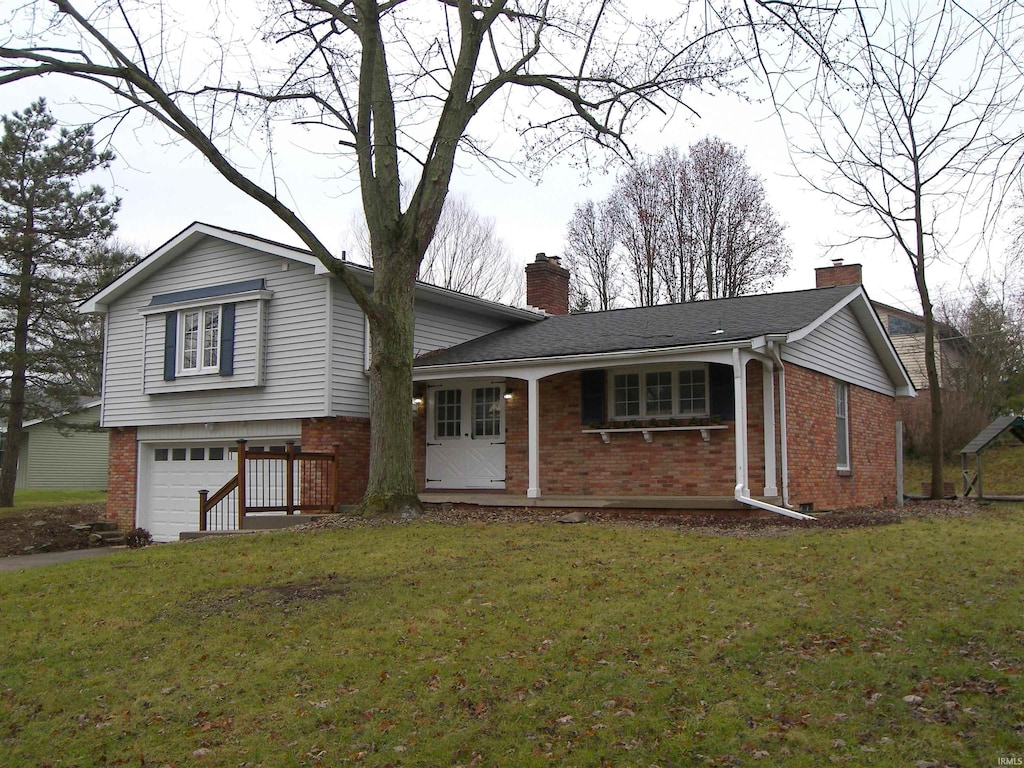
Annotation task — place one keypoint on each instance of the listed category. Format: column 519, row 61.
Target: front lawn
column 518, row 645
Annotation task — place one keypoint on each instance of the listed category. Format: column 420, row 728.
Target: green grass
column 37, row 499
column 430, row 645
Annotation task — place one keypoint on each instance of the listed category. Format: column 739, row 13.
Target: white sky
column 164, row 187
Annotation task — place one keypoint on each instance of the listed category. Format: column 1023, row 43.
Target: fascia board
column 548, row 366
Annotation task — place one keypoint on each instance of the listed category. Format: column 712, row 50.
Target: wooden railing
column 266, row 482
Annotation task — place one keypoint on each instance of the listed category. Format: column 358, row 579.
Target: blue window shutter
column 170, row 344
column 227, row 340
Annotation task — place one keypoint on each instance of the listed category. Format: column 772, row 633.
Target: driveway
column 21, row 562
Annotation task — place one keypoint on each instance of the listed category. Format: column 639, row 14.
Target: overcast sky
column 166, row 186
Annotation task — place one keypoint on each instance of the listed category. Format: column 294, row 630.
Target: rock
column 572, row 517
column 95, row 540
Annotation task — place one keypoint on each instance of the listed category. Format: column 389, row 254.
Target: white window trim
column 842, row 386
column 200, row 369
column 674, row 369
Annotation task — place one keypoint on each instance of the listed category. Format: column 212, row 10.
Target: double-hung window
column 842, row 426
column 679, row 392
column 199, row 339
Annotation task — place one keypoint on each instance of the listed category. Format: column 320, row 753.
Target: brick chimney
column 547, row 285
column 837, row 274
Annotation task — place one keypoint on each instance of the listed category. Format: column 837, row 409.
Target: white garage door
column 172, row 476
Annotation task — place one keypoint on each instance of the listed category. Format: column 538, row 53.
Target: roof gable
column 189, row 237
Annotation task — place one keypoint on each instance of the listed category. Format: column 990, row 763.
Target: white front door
column 466, row 435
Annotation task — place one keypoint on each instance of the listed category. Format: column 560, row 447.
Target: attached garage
column 172, row 474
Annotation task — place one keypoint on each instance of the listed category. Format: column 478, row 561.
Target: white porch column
column 739, row 374
column 768, row 378
column 533, row 437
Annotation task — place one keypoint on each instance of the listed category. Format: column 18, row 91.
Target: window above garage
column 199, row 332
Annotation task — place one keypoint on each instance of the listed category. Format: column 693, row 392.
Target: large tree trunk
column 392, row 483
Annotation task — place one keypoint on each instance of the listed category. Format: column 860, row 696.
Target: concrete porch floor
column 500, row 499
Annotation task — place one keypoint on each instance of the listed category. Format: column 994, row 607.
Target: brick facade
column 673, row 464
column 813, row 477
column 353, row 436
column 122, row 478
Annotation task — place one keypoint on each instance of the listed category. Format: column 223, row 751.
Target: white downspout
column 783, row 430
column 742, row 494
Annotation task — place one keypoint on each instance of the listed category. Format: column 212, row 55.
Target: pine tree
column 52, row 232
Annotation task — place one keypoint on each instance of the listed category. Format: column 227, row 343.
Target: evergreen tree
column 52, row 255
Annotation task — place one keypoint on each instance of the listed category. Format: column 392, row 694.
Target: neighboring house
column 905, row 329
column 782, row 399
column 69, row 451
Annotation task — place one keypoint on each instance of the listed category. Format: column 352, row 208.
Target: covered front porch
column 559, row 450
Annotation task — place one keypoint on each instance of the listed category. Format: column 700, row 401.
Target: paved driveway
column 21, row 562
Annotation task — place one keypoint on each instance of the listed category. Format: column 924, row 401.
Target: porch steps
column 102, row 533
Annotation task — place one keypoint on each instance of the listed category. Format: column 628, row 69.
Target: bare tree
column 638, row 210
column 696, row 226
column 398, row 84
column 465, row 255
column 590, row 250
column 728, row 240
column 902, row 119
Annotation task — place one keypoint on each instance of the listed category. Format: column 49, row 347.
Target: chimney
column 837, row 274
column 547, row 285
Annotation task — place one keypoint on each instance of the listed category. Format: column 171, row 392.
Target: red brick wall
column 123, row 477
column 813, row 477
column 674, row 464
column 353, row 435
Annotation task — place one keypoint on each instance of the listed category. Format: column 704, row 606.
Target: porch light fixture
column 507, row 395
column 416, row 403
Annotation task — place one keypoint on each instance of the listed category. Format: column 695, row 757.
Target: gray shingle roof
column 670, row 325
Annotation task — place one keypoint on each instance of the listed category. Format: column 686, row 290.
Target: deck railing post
column 289, row 477
column 336, row 478
column 241, row 482
column 202, row 509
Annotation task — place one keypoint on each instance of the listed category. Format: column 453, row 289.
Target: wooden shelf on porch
column 648, row 432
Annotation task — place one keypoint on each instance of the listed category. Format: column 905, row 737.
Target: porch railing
column 272, row 482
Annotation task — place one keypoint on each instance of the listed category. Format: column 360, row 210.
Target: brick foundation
column 123, row 476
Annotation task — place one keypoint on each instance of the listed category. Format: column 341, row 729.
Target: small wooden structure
column 1012, row 424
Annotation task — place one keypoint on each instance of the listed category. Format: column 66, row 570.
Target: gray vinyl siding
column 436, row 327
column 839, row 348
column 440, row 327
column 349, row 386
column 73, row 459
column 294, row 355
